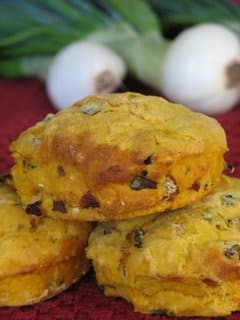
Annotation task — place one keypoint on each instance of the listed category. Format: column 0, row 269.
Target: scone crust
column 39, row 257
column 184, row 263
column 117, row 156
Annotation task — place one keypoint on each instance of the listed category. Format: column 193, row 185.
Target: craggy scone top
column 115, row 156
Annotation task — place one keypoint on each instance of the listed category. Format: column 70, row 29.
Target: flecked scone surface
column 39, row 257
column 116, row 156
column 185, row 262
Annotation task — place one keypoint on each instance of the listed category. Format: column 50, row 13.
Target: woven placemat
column 23, row 103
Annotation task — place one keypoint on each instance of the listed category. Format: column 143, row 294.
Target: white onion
column 83, row 68
column 202, row 69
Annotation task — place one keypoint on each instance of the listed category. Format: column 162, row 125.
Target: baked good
column 185, row 262
column 39, row 257
column 116, row 156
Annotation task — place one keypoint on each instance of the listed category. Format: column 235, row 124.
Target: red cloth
column 24, row 102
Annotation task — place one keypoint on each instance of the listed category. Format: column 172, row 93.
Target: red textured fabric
column 24, row 102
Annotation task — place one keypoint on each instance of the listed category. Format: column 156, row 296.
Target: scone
column 39, row 257
column 117, row 156
column 184, row 263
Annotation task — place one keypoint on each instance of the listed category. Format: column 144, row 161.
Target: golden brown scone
column 39, row 257
column 185, row 262
column 116, row 156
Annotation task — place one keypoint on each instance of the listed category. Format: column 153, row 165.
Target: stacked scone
column 39, row 256
column 150, row 172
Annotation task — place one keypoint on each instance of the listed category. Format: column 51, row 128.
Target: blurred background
column 188, row 51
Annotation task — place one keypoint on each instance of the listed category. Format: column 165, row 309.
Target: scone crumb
column 171, row 188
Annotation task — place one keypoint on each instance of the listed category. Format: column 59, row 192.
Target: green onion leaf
column 137, row 13
column 183, row 13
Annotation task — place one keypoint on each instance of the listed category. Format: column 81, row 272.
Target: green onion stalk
column 33, row 31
